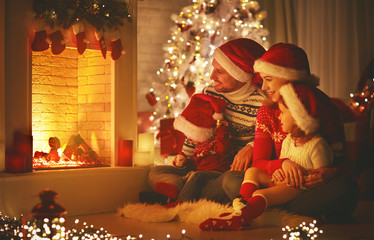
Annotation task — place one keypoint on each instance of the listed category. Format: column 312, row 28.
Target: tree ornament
column 190, row 88
column 116, row 45
column 40, row 40
column 151, row 98
column 100, row 37
column 78, row 29
column 57, row 42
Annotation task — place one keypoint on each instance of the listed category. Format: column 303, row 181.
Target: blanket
column 197, row 212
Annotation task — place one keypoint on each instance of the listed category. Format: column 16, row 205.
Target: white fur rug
column 197, row 212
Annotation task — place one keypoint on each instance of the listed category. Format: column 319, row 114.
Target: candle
column 143, row 159
column 125, row 153
column 15, row 163
column 146, row 143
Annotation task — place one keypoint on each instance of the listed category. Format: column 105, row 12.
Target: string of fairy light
column 49, row 229
column 199, row 29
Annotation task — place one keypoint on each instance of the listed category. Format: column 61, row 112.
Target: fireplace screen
column 71, row 109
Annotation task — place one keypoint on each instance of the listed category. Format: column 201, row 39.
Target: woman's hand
column 294, row 173
column 243, row 159
column 320, row 176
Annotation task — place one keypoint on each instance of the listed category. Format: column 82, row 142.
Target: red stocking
column 116, row 44
column 39, row 43
column 100, row 38
column 58, row 43
column 78, row 29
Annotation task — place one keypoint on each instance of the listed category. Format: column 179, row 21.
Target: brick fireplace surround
column 80, row 191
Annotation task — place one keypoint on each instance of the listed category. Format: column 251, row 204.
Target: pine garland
column 102, row 14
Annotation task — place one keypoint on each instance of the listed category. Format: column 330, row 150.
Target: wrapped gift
column 171, row 140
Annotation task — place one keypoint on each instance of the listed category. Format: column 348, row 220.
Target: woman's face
column 271, row 85
column 223, row 81
column 288, row 122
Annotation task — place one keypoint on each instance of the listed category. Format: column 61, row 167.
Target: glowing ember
column 76, row 154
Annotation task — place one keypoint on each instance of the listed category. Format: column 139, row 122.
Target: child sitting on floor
column 203, row 124
column 300, row 109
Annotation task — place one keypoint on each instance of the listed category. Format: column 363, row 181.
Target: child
column 203, row 124
column 301, row 110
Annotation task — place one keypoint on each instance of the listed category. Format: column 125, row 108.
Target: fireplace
column 71, row 109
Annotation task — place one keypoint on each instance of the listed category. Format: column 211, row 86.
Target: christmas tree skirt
column 197, row 212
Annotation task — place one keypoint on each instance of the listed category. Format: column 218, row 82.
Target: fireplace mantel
column 80, row 191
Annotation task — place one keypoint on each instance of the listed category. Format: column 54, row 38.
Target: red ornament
column 190, row 88
column 151, row 98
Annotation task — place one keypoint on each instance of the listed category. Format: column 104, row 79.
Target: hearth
column 71, row 109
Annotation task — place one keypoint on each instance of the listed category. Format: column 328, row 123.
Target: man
column 236, row 83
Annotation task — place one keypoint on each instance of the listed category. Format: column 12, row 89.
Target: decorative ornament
column 151, row 98
column 40, row 39
column 57, row 42
column 100, row 38
column 116, row 45
column 78, row 29
column 190, row 88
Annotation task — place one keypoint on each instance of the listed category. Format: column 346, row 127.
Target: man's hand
column 320, row 176
column 243, row 159
column 294, row 173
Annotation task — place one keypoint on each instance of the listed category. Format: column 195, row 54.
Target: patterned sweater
column 240, row 113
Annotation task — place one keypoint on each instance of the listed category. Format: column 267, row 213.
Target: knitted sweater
column 315, row 153
column 240, row 113
column 268, row 140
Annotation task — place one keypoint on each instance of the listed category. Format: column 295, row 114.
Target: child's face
column 271, row 85
column 286, row 119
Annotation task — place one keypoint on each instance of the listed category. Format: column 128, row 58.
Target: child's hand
column 278, row 177
column 179, row 161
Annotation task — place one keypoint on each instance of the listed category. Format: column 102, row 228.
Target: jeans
column 168, row 174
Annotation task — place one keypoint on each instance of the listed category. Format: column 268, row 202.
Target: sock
column 58, row 42
column 247, row 189
column 167, row 189
column 255, row 207
column 244, row 213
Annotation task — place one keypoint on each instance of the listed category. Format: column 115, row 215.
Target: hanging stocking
column 78, row 29
column 116, row 44
column 40, row 40
column 57, row 42
column 100, row 37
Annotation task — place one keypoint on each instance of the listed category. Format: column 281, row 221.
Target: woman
column 337, row 196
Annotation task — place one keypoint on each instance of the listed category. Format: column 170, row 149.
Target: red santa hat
column 287, row 61
column 199, row 118
column 237, row 57
column 303, row 105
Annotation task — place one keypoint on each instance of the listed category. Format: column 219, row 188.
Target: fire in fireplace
column 71, row 109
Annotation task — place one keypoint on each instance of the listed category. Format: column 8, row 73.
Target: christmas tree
column 199, row 29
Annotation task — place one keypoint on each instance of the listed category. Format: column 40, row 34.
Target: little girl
column 301, row 109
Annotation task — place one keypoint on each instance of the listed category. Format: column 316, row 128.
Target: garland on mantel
column 60, row 15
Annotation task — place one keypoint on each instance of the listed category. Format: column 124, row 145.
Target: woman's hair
column 296, row 131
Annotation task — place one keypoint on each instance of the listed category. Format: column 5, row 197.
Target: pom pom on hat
column 287, row 61
column 199, row 118
column 238, row 56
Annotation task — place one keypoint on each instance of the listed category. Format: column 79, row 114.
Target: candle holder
column 125, row 153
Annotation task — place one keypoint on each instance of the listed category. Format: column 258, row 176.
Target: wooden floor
column 361, row 228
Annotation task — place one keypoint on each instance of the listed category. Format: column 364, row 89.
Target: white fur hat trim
column 235, row 71
column 191, row 130
column 279, row 71
column 302, row 118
